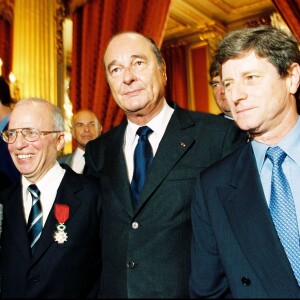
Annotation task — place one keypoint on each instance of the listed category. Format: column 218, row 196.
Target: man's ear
column 294, row 78
column 60, row 141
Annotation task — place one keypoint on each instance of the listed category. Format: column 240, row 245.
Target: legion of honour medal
column 61, row 212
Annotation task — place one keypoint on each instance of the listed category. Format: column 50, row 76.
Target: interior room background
column 54, row 48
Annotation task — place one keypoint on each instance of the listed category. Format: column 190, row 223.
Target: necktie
column 34, row 225
column 282, row 208
column 142, row 159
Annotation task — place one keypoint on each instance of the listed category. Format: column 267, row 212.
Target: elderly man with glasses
column 50, row 244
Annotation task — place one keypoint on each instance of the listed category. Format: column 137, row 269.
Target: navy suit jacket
column 68, row 270
column 8, row 172
column 236, row 251
column 146, row 250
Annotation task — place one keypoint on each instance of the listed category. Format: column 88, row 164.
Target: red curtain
column 94, row 23
column 290, row 12
column 200, row 78
column 6, row 35
column 176, row 89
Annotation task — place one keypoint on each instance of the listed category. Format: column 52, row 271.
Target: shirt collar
column 158, row 124
column 50, row 176
column 290, row 144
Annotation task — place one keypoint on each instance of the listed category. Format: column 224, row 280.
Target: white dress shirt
column 48, row 187
column 78, row 161
column 158, row 124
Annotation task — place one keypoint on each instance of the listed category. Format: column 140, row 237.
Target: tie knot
column 144, row 131
column 33, row 189
column 276, row 155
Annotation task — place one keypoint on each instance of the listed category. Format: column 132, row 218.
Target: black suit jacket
column 68, row 270
column 8, row 172
column 236, row 251
column 146, row 250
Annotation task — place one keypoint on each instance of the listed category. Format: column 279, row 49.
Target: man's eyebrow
column 133, row 57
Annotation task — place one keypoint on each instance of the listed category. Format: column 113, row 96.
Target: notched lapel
column 175, row 143
column 66, row 194
column 16, row 230
column 115, row 167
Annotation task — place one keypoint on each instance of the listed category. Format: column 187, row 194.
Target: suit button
column 135, row 225
column 245, row 281
column 130, row 265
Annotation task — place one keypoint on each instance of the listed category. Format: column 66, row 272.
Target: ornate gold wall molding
column 35, row 54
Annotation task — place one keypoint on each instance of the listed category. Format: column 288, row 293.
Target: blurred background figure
column 85, row 127
column 218, row 90
column 8, row 172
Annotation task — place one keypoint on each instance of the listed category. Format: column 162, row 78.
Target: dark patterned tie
column 143, row 157
column 34, row 225
column 283, row 212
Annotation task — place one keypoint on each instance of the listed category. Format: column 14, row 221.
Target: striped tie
column 34, row 225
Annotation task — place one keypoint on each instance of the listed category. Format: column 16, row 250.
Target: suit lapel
column 248, row 214
column 117, row 169
column 66, row 194
column 174, row 144
column 15, row 227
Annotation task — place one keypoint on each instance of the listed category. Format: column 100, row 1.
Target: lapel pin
column 182, row 144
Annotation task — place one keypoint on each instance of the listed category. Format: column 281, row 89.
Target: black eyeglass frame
column 5, row 134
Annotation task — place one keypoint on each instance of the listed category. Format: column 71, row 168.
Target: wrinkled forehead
column 127, row 45
column 31, row 115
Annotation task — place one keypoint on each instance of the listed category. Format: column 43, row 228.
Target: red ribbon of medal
column 61, row 212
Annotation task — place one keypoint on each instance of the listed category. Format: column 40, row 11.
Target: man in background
column 146, row 168
column 8, row 172
column 218, row 90
column 85, row 127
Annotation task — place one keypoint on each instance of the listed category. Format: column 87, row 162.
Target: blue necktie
column 143, row 157
column 282, row 208
column 34, row 225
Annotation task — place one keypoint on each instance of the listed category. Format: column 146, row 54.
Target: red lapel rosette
column 61, row 212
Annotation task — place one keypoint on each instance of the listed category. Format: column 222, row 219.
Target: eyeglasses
column 30, row 134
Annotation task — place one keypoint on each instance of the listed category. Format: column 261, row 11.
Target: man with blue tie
column 146, row 168
column 246, row 207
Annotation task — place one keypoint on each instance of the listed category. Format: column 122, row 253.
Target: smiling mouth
column 24, row 156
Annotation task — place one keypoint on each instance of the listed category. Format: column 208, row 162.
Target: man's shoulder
column 65, row 158
column 202, row 118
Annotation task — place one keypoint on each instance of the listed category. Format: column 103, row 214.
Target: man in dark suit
column 8, row 172
column 146, row 246
column 85, row 127
column 239, row 247
column 50, row 244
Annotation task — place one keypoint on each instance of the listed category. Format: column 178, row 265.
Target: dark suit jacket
column 146, row 251
column 8, row 172
column 67, row 270
column 66, row 159
column 236, row 251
